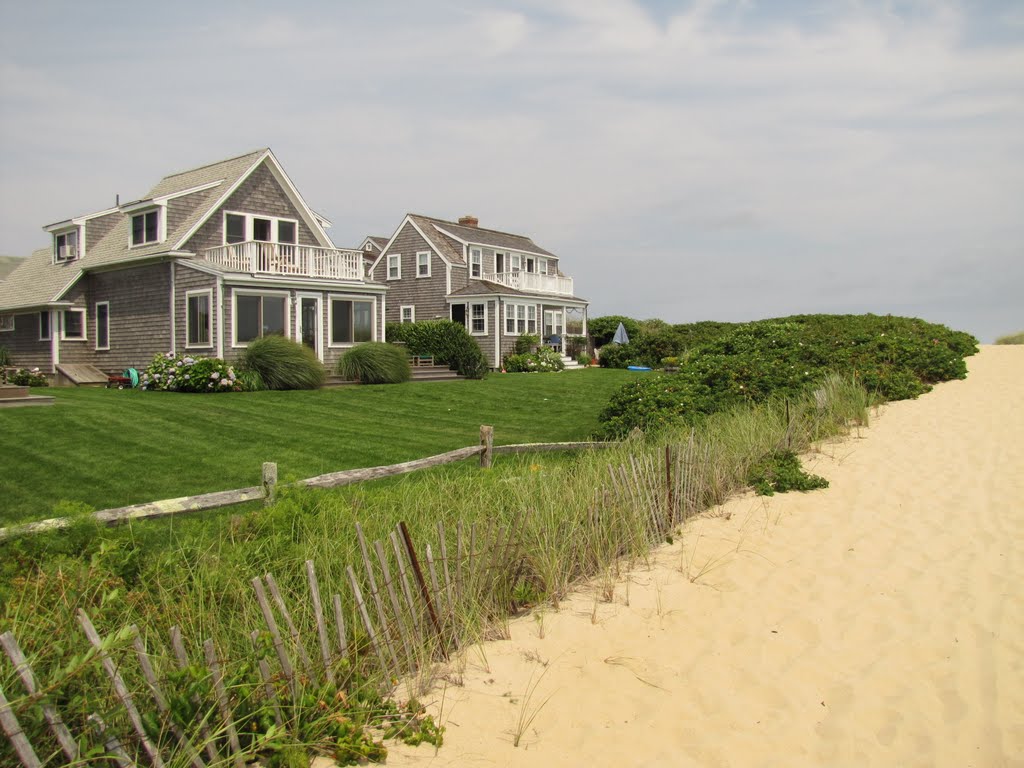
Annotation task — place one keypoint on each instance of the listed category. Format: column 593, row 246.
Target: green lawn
column 107, row 448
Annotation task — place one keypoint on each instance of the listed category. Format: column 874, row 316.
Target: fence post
column 269, row 481
column 487, row 441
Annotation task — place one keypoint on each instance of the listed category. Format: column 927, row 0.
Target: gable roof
column 39, row 281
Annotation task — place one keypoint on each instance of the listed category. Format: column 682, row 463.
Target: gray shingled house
column 209, row 260
column 498, row 284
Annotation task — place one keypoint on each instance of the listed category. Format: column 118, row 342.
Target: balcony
column 261, row 258
column 532, row 282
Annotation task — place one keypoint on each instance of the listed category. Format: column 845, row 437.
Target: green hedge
column 894, row 358
column 449, row 343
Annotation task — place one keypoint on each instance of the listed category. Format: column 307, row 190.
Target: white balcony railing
column 532, row 282
column 287, row 259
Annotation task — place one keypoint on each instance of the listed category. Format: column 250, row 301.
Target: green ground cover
column 106, row 448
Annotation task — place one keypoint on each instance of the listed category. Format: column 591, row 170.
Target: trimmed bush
column 602, row 329
column 449, row 343
column 284, row 364
column 615, row 356
column 375, row 363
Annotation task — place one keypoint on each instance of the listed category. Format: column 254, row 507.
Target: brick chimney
column 469, row 221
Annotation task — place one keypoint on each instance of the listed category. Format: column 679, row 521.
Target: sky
column 698, row 160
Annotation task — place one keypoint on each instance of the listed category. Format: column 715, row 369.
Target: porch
column 532, row 282
column 262, row 258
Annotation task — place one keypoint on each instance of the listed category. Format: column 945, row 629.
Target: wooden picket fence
column 402, row 607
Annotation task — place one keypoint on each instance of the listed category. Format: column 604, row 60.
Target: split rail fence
column 403, row 606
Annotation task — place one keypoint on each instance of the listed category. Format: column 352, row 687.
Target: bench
column 418, row 360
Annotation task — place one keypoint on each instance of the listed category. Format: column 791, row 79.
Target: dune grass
column 1012, row 338
column 107, row 448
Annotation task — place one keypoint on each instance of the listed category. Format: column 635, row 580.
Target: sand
column 879, row 622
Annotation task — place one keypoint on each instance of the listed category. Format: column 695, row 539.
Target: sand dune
column 879, row 622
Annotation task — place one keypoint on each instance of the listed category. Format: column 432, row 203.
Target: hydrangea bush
column 172, row 373
column 544, row 360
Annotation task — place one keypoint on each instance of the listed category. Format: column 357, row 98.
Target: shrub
column 526, row 343
column 544, row 360
column 283, row 363
column 170, row 373
column 616, row 355
column 584, row 359
column 894, row 358
column 449, row 343
column 375, row 363
column 575, row 346
column 781, row 472
column 24, row 377
column 1013, row 338
column 602, row 329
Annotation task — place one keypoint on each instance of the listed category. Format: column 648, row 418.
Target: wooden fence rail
column 266, row 491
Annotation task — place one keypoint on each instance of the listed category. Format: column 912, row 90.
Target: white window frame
column 476, row 263
column 234, row 314
column 96, row 322
column 158, row 211
column 331, row 298
column 208, row 293
column 412, row 313
column 319, row 298
column 418, row 265
column 63, row 325
column 61, row 259
column 531, row 318
column 6, row 323
column 395, row 260
column 49, row 325
column 515, row 262
column 477, row 304
column 542, row 266
column 518, row 318
column 275, row 227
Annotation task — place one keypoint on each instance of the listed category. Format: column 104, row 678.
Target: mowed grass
column 107, row 448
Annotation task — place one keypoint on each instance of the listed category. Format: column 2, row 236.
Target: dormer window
column 146, row 228
column 65, row 246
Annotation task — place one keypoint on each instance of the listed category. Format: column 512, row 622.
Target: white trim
column 85, row 327
column 161, row 226
column 383, row 314
column 353, row 297
column 387, row 275
column 389, row 243
column 208, row 293
column 497, row 333
column 78, row 220
column 479, row 252
column 54, row 340
column 428, row 241
column 236, row 292
column 174, row 319
column 96, row 324
column 412, row 313
column 493, row 247
column 448, row 278
column 418, row 254
column 189, row 191
column 79, row 231
column 319, row 298
column 220, row 317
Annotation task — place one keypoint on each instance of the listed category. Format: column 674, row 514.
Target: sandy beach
column 879, row 622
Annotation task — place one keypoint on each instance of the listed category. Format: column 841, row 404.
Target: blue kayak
column 637, row 368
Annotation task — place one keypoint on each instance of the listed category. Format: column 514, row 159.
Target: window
column 258, row 315
column 103, row 325
column 499, row 262
column 65, row 246
column 395, row 266
column 531, row 318
column 198, row 318
column 517, row 262
column 476, row 263
column 44, row 325
column 234, row 228
column 6, row 323
column 542, row 266
column 478, row 319
column 423, row 264
column 243, row 227
column 286, row 232
column 73, row 326
column 351, row 321
column 515, row 319
column 408, row 314
column 531, row 264
column 145, row 227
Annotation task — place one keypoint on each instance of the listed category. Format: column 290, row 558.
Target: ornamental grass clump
column 375, row 363
column 284, row 364
column 172, row 373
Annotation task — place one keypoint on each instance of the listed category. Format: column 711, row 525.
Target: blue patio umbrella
column 620, row 337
